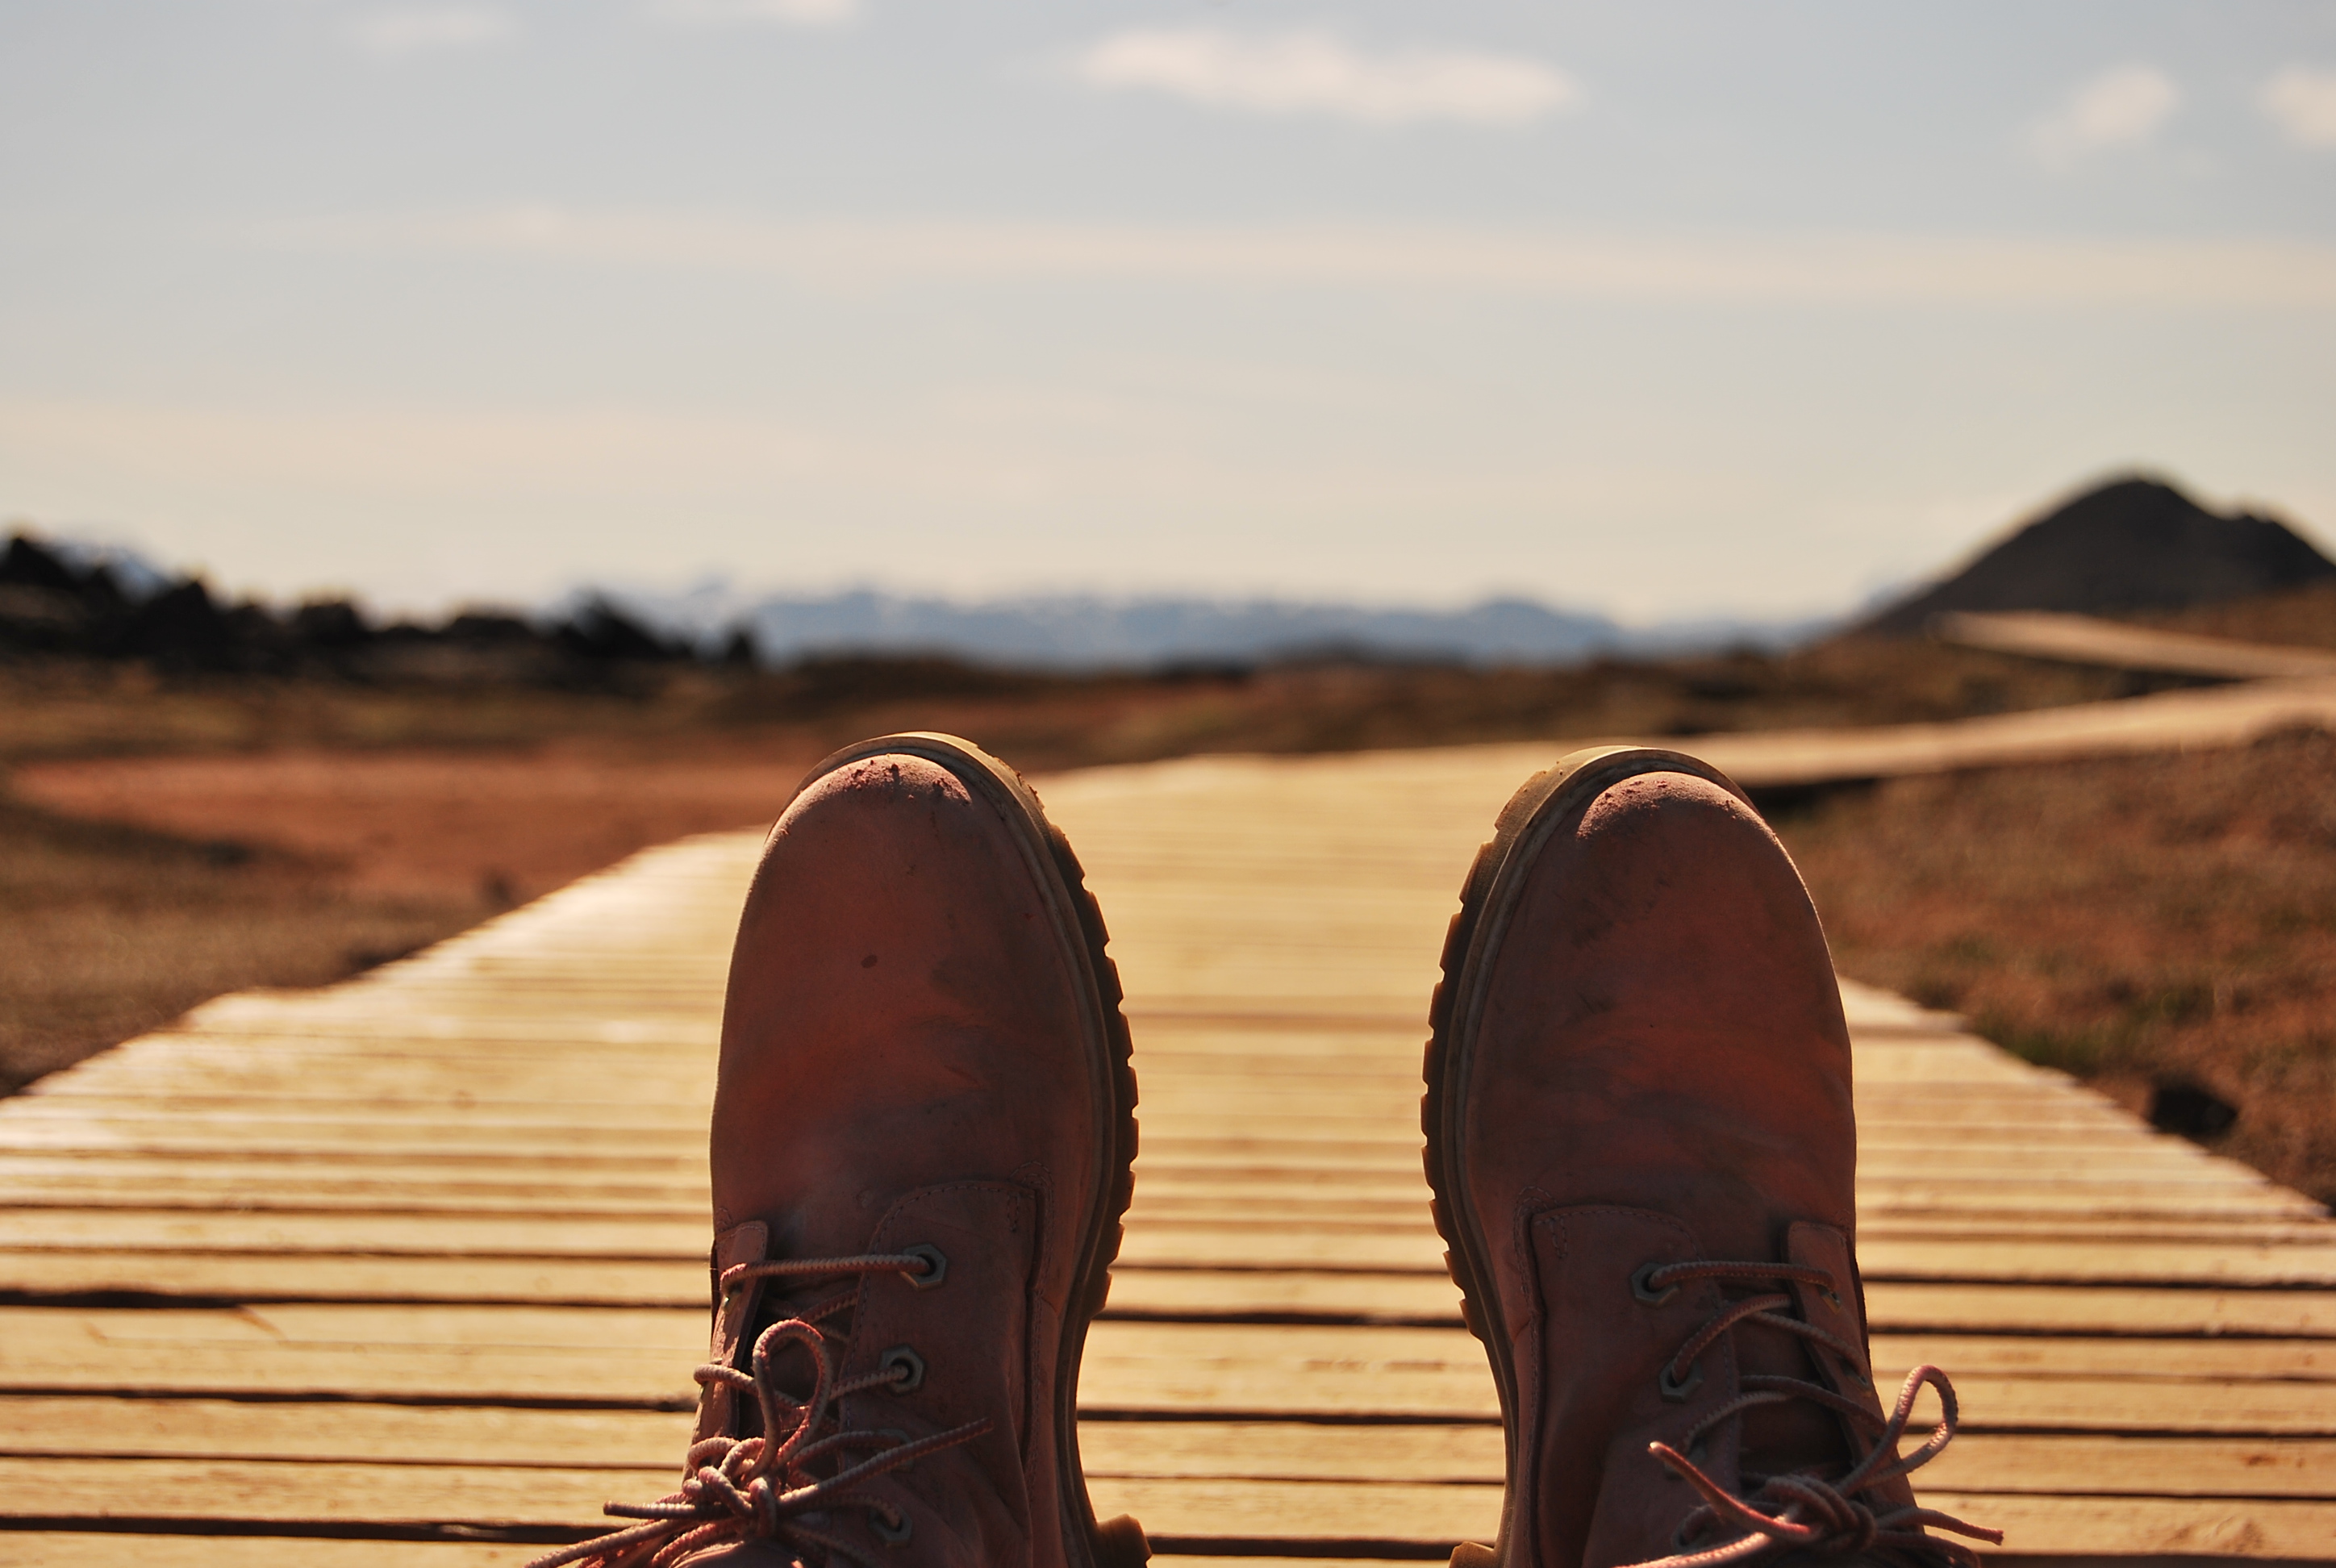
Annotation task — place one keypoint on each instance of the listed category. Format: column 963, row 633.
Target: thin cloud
column 2122, row 107
column 397, row 34
column 784, row 13
column 2302, row 101
column 1841, row 270
column 1314, row 73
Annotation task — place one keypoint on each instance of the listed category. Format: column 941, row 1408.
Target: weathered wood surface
column 2191, row 720
column 2119, row 645
column 413, row 1267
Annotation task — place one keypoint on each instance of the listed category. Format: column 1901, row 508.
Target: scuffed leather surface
column 1664, row 1029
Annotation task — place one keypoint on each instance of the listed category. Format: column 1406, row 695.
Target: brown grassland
column 2143, row 922
column 2138, row 922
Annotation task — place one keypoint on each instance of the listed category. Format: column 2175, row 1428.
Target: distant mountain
column 62, row 597
column 130, row 570
column 2130, row 544
column 1090, row 632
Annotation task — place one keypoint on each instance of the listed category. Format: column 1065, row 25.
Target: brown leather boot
column 923, row 1131
column 1641, row 1144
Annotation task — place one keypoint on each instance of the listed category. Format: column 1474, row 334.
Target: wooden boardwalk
column 1788, row 760
column 412, row 1269
column 2121, row 645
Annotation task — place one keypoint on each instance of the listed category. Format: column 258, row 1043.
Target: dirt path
column 134, row 888
column 501, row 827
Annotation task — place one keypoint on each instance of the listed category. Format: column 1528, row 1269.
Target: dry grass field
column 2148, row 923
column 2140, row 921
column 108, row 929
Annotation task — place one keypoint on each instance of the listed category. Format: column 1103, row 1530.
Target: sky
column 1661, row 308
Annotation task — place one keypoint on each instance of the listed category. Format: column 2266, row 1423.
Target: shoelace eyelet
column 1645, row 1292
column 781, row 1486
column 936, row 1266
column 1677, row 1391
column 890, row 1533
column 906, row 1369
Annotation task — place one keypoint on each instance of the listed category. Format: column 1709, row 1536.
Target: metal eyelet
column 936, row 1265
column 1677, row 1392
column 1645, row 1292
column 1832, row 1298
column 905, row 1368
column 889, row 1532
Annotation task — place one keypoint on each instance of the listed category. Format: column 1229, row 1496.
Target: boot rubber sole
column 1078, row 919
column 1487, row 898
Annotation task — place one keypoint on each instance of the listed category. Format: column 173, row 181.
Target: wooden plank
column 264, row 1277
column 434, row 1235
column 1276, row 1045
column 479, row 1137
column 649, row 1443
column 505, row 1436
column 2068, row 1258
column 2261, row 1252
column 1426, row 1298
column 112, row 1549
column 2050, row 1309
column 2046, row 1356
column 314, row 1080
column 642, row 1359
column 608, row 1162
column 164, row 1187
column 2017, row 1463
column 1448, row 1455
column 482, row 1140
column 321, row 1185
column 2030, row 1260
column 132, row 1179
column 1374, row 1115
column 1253, row 1141
column 1998, row 1308
column 415, row 1497
column 1397, row 1511
column 637, row 1451
column 2118, row 645
column 659, row 1096
column 2115, row 1529
column 1198, row 1149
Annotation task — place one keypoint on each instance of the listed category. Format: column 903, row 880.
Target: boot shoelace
column 1798, row 1511
column 769, row 1487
